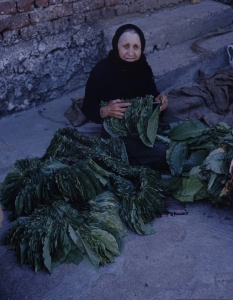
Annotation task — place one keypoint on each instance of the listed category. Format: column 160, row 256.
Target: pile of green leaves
column 140, row 119
column 199, row 159
column 58, row 234
column 34, row 182
column 76, row 198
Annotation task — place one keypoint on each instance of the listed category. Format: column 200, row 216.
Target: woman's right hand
column 116, row 109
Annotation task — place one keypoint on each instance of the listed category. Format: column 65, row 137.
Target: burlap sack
column 74, row 113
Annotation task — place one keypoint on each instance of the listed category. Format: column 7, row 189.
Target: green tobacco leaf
column 187, row 189
column 223, row 127
column 216, row 161
column 63, row 248
column 91, row 256
column 152, row 126
column 142, row 135
column 163, row 139
column 202, row 193
column 176, row 156
column 187, row 129
column 81, row 244
column 75, row 256
column 46, row 253
column 197, row 173
column 216, row 183
column 109, row 130
column 75, row 238
column 169, row 184
column 195, row 159
column 107, row 239
column 203, row 146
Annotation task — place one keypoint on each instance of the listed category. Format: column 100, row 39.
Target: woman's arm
column 115, row 109
column 161, row 98
column 152, row 90
column 94, row 94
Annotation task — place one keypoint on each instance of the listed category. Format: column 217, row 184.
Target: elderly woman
column 125, row 74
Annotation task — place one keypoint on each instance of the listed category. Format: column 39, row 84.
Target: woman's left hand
column 163, row 100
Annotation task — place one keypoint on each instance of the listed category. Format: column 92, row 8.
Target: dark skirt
column 140, row 154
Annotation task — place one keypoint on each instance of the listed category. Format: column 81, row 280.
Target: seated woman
column 125, row 74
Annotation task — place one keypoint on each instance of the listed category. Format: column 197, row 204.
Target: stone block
column 93, row 16
column 35, row 17
column 108, row 12
column 41, row 3
column 61, row 24
column 51, row 13
column 96, row 4
column 76, row 20
column 7, row 7
column 112, row 2
column 87, row 5
column 135, row 7
column 10, row 36
column 28, row 32
column 57, row 11
column 122, row 10
column 44, row 28
column 25, row 5
column 67, row 10
column 18, row 21
column 4, row 21
column 28, row 65
column 80, row 7
column 151, row 5
column 25, row 33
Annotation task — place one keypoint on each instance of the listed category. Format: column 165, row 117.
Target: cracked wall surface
column 38, row 71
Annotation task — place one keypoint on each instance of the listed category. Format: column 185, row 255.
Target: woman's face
column 129, row 46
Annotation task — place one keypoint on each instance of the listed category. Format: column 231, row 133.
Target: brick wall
column 26, row 19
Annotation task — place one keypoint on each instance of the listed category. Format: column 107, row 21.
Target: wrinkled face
column 129, row 46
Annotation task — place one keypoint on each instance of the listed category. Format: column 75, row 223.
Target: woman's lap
column 139, row 154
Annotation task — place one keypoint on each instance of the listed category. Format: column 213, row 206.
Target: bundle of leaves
column 70, row 144
column 140, row 119
column 57, row 234
column 140, row 206
column 34, row 182
column 199, row 159
column 79, row 178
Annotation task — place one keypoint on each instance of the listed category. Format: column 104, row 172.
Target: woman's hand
column 116, row 109
column 163, row 100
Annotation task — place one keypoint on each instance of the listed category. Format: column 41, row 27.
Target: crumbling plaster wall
column 48, row 47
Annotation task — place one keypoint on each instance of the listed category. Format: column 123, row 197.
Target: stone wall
column 48, row 47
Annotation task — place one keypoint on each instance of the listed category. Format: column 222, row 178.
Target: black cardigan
column 105, row 85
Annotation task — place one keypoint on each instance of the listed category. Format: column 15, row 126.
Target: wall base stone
column 38, row 71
